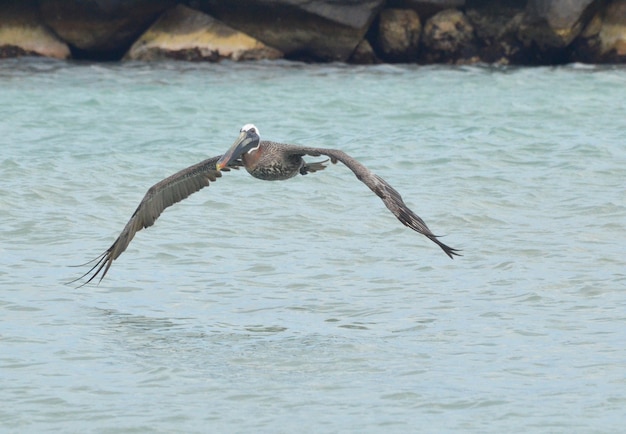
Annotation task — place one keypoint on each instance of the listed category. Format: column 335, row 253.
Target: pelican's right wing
column 158, row 197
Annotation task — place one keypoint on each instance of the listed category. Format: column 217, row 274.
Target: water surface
column 304, row 305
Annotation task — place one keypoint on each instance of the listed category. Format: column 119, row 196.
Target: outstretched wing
column 161, row 195
column 378, row 185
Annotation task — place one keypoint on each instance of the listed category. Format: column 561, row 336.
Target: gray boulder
column 23, row 33
column 101, row 28
column 448, row 37
column 604, row 38
column 555, row 23
column 426, row 8
column 398, row 35
column 182, row 33
column 364, row 54
column 326, row 30
column 496, row 25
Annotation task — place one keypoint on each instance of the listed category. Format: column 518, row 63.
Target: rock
column 613, row 32
column 364, row 54
column 399, row 33
column 555, row 23
column 494, row 31
column 604, row 38
column 496, row 25
column 327, row 30
column 186, row 34
column 101, row 29
column 448, row 37
column 426, row 8
column 23, row 33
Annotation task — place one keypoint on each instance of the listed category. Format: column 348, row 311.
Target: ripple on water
column 305, row 303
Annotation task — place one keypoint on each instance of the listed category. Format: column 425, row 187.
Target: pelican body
column 269, row 161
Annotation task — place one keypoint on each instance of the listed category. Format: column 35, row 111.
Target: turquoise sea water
column 304, row 305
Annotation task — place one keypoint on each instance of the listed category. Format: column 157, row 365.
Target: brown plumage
column 161, row 195
column 265, row 160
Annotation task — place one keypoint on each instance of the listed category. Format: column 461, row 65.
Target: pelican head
column 247, row 141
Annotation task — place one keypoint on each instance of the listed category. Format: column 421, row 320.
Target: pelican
column 269, row 161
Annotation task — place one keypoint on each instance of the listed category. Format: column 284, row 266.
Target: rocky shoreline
column 517, row 32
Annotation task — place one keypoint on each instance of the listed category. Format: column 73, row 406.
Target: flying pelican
column 269, row 161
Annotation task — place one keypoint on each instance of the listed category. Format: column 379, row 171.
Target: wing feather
column 390, row 196
column 160, row 196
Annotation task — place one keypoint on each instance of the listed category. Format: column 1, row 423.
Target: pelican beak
column 246, row 141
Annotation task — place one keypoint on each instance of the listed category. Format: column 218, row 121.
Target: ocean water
column 304, row 305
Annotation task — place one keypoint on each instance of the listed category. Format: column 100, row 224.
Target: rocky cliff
column 524, row 32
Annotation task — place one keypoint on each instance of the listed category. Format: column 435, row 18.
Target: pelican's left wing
column 378, row 185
